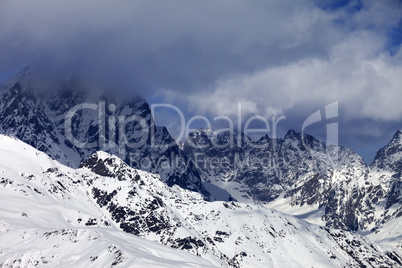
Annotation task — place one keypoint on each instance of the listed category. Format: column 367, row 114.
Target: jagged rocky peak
column 208, row 137
column 397, row 139
column 292, row 134
column 292, row 140
column 220, row 139
column 103, row 164
column 303, row 141
column 301, row 168
column 345, row 157
column 266, row 139
column 390, row 157
column 226, row 136
column 201, row 138
column 16, row 89
column 72, row 119
column 90, row 207
column 18, row 78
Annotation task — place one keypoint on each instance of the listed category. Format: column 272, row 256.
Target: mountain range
column 300, row 175
column 107, row 171
column 38, row 116
column 100, row 214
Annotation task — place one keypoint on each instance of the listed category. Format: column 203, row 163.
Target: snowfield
column 44, row 220
column 107, row 214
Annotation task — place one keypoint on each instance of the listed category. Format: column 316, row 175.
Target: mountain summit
column 70, row 122
column 109, row 214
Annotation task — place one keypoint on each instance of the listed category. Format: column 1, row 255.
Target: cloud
column 276, row 57
column 144, row 46
column 365, row 80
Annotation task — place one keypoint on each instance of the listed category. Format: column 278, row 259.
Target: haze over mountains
column 137, row 134
column 145, row 184
column 38, row 116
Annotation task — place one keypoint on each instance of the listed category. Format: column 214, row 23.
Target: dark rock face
column 306, row 171
column 71, row 123
column 390, row 157
column 145, row 213
column 300, row 168
column 22, row 114
column 227, row 230
column 387, row 169
column 349, row 245
column 265, row 168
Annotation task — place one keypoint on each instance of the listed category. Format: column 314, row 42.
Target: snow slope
column 299, row 175
column 69, row 122
column 95, row 216
column 45, row 216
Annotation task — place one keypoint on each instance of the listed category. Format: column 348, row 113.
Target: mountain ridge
column 70, row 123
column 306, row 172
column 98, row 207
column 299, row 175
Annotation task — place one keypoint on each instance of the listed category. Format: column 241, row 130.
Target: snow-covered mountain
column 386, row 173
column 47, row 220
column 98, row 215
column 70, row 122
column 389, row 158
column 113, row 184
column 327, row 185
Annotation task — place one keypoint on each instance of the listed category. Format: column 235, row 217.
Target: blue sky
column 288, row 58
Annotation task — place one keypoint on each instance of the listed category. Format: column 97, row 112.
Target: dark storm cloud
column 159, row 44
column 275, row 57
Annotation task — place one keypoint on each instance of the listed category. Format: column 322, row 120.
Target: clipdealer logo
column 123, row 134
column 328, row 115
